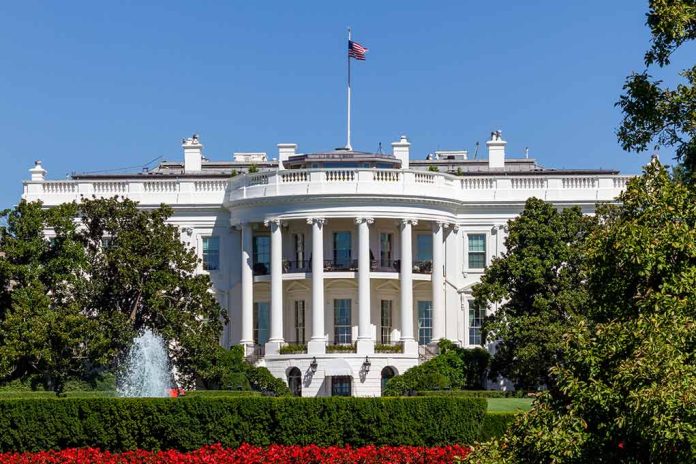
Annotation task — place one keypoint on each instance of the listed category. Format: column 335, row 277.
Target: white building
column 355, row 262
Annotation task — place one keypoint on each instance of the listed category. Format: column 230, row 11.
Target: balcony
column 399, row 183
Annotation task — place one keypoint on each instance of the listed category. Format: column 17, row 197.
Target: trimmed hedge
column 188, row 423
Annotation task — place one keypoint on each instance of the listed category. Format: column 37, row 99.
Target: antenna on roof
column 379, row 148
column 476, row 151
column 526, row 152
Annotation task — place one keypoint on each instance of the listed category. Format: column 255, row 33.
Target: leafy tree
column 537, row 283
column 626, row 383
column 111, row 270
column 652, row 112
column 45, row 336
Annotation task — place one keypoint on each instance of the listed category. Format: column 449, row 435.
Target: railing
column 59, row 187
column 161, row 186
column 524, row 183
column 340, row 175
column 297, row 266
column 110, row 187
column 336, row 265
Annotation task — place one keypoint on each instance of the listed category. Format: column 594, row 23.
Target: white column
column 247, row 287
column 317, row 344
column 438, row 281
column 365, row 342
column 276, row 335
column 406, row 271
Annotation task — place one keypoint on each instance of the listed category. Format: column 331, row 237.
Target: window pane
column 385, row 249
column 477, row 251
column 476, row 316
column 262, row 254
column 424, row 245
column 342, row 249
column 262, row 313
column 425, row 322
column 300, row 321
column 342, row 321
column 386, row 321
column 211, row 253
column 340, row 386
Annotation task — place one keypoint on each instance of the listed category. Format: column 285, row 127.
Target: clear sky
column 92, row 85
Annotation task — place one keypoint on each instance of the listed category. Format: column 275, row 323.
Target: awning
column 336, row 367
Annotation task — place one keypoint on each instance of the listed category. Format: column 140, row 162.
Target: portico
column 358, row 270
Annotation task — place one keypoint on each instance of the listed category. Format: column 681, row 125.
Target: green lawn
column 509, row 404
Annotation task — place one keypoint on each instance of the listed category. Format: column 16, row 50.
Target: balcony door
column 342, row 250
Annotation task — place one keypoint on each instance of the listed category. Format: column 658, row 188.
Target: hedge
column 188, row 423
column 495, row 424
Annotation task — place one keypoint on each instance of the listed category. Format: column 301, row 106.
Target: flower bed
column 249, row 454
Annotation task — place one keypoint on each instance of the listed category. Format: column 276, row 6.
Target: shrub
column 454, row 368
column 292, row 348
column 384, row 348
column 340, row 348
column 188, row 423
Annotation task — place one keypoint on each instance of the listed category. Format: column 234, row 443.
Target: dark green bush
column 467, row 393
column 495, row 424
column 188, row 423
column 453, row 369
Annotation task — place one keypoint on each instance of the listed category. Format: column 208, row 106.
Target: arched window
column 387, row 373
column 295, row 381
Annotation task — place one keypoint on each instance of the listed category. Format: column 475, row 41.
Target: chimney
column 285, row 151
column 38, row 173
column 400, row 150
column 193, row 154
column 496, row 150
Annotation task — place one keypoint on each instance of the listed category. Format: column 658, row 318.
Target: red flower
column 249, row 454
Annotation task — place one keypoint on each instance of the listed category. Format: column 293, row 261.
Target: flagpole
column 348, row 146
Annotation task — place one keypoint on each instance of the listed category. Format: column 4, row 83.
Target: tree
column 626, row 382
column 111, row 270
column 538, row 284
column 45, row 337
column 653, row 113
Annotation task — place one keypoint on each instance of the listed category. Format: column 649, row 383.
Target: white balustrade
column 424, row 178
column 527, row 183
column 257, row 179
column 294, row 176
column 210, row 185
column 161, row 186
column 106, row 188
column 386, row 176
column 579, row 182
column 478, row 183
column 340, row 175
column 59, row 187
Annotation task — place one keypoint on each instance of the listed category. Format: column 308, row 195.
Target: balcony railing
column 344, row 265
column 386, row 182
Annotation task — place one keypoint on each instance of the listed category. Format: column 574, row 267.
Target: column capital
column 316, row 220
column 361, row 219
column 277, row 221
column 411, row 221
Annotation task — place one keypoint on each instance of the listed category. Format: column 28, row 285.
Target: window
column 211, row 253
column 299, row 321
column 385, row 249
column 262, row 310
column 342, row 249
column 386, row 322
column 299, row 243
column 425, row 322
column 342, row 324
column 262, row 254
column 477, row 251
column 424, row 247
column 340, row 386
column 476, row 316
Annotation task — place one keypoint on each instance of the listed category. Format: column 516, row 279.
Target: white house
column 340, row 269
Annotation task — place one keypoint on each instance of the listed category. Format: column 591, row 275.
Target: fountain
column 146, row 372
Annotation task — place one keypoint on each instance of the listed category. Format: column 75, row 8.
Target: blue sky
column 98, row 85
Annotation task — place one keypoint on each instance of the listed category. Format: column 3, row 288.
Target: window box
column 387, row 348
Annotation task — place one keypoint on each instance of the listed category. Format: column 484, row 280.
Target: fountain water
column 146, row 372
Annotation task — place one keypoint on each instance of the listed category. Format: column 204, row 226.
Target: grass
column 509, row 404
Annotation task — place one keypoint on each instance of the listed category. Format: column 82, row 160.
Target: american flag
column 357, row 51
